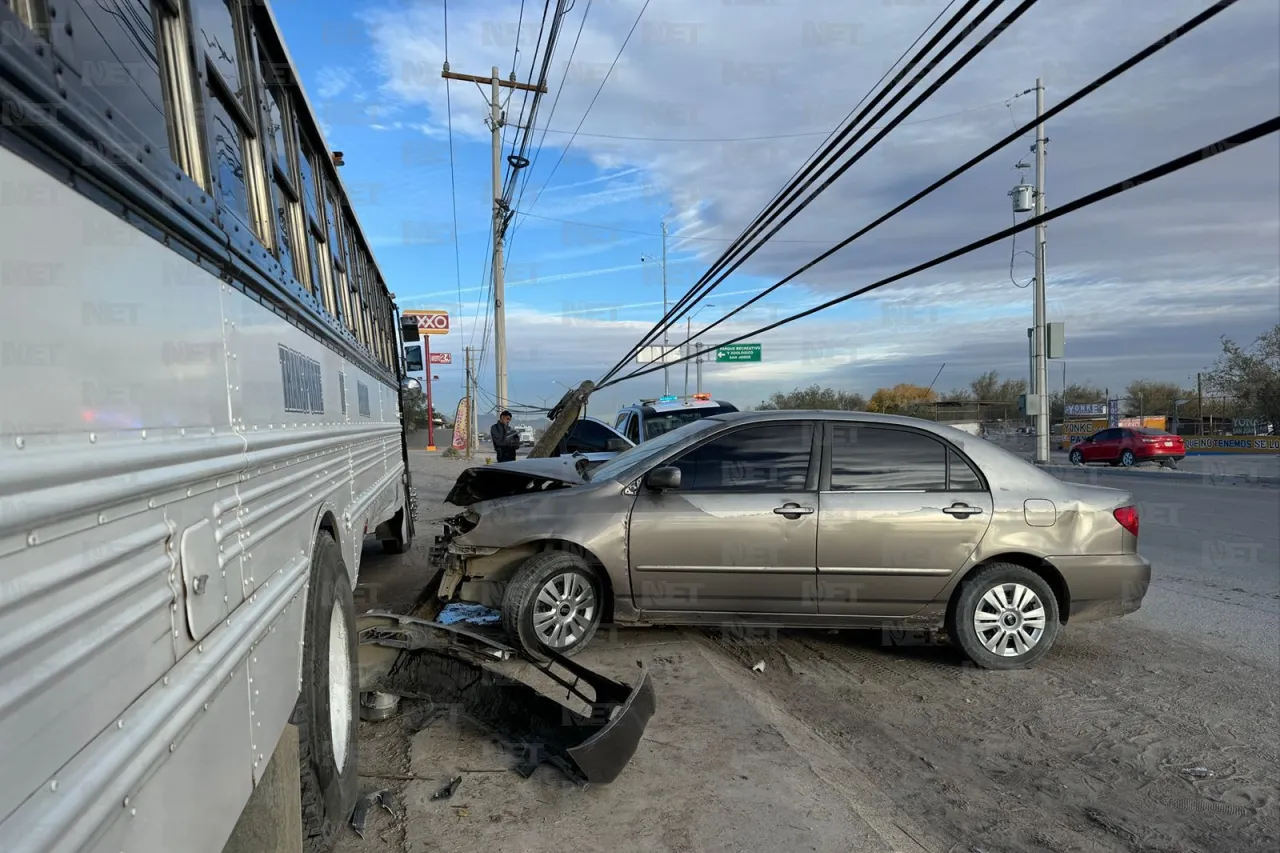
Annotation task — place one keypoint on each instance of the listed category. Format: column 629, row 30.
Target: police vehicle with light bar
column 651, row 418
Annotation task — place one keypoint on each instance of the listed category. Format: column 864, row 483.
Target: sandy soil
column 1126, row 738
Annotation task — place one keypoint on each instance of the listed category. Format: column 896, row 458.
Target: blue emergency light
column 669, row 398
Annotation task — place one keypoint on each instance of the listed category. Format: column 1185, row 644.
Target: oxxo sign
column 430, row 322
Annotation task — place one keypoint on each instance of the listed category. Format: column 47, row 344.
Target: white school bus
column 200, row 424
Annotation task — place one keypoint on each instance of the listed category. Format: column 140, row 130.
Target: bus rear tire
column 326, row 713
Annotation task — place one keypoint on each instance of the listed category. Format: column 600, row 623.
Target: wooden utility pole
column 470, row 426
column 501, row 215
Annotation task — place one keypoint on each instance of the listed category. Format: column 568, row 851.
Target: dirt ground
column 1127, row 737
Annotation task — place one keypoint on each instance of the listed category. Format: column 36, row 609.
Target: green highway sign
column 738, row 352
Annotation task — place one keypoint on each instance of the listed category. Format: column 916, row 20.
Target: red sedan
column 1128, row 446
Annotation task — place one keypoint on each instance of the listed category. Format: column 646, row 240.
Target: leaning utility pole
column 1041, row 388
column 501, row 213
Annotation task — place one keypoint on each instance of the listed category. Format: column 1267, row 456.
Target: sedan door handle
column 792, row 510
column 962, row 510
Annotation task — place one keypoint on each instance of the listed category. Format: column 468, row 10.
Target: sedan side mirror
column 616, row 445
column 662, row 479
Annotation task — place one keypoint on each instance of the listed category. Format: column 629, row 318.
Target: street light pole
column 1041, row 354
column 666, row 370
column 666, row 341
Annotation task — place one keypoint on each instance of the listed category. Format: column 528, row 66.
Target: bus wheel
column 326, row 714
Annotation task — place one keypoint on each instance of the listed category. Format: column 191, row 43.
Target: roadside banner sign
column 1113, row 412
column 442, row 358
column 461, row 425
column 429, row 322
column 1086, row 410
column 737, row 353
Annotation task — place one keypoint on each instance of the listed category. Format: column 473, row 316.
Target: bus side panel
column 297, row 441
column 377, row 465
column 116, row 441
column 194, row 798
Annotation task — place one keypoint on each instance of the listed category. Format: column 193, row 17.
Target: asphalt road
column 1215, row 554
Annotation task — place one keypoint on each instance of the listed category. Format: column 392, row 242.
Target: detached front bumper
column 449, row 666
column 1104, row 587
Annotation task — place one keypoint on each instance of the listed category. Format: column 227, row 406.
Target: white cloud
column 1146, row 282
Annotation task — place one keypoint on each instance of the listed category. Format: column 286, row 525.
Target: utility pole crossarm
column 508, row 84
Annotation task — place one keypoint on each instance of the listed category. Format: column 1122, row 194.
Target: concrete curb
column 1165, row 474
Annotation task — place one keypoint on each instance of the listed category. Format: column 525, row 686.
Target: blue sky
column 1190, row 257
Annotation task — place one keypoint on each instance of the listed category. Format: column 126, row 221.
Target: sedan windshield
column 641, row 454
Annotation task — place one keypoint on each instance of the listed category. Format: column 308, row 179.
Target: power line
column 654, row 234
column 815, row 165
column 453, row 182
column 1199, row 155
column 1137, row 58
column 523, row 131
column 769, row 137
column 537, row 153
column 594, row 97
column 699, row 290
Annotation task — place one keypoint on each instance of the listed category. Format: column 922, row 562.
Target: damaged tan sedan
column 795, row 519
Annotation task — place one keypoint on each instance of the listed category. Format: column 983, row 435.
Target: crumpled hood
column 524, row 476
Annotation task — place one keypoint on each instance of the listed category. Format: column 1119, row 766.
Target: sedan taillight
column 1128, row 518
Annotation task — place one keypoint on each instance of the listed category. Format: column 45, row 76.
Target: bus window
column 113, row 46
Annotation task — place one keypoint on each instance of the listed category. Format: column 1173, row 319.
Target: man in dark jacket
column 505, row 439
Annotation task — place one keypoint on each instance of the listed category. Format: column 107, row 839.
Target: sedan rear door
column 740, row 534
column 901, row 511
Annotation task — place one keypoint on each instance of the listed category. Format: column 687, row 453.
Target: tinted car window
column 960, row 474
column 588, row 437
column 770, row 458
column 1151, row 431
column 633, row 429
column 877, row 459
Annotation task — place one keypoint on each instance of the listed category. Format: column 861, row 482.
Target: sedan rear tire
column 555, row 600
column 1004, row 616
column 1076, row 457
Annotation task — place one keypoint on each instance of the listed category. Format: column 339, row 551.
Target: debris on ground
column 759, row 666
column 1198, row 772
column 443, row 665
column 473, row 614
column 360, row 814
column 448, row 790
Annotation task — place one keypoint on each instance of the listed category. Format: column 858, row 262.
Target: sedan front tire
column 1004, row 616
column 555, row 600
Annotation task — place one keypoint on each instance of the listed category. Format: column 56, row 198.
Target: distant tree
column 1074, row 393
column 1251, row 374
column 415, row 410
column 815, row 397
column 1149, row 397
column 902, row 398
column 990, row 388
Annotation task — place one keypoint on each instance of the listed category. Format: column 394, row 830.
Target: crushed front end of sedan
column 506, row 527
